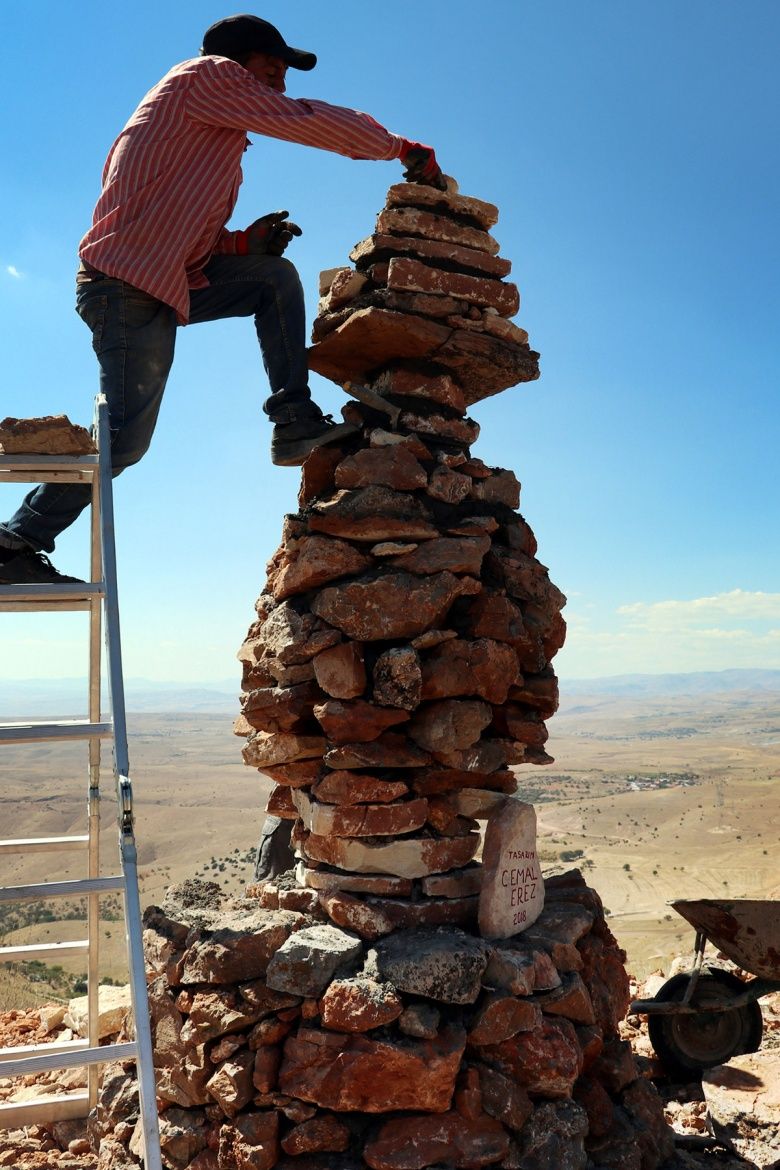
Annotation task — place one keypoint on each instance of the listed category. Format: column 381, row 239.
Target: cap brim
column 299, row 59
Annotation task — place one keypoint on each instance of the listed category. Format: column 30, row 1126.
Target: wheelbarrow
column 702, row 1018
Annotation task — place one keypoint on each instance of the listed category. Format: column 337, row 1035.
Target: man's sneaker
column 292, row 442
column 27, row 567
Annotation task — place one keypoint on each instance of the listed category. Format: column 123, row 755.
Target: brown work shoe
column 292, row 442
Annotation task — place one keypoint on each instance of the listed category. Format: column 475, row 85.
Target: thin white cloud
column 737, row 604
column 738, row 628
column 13, row 271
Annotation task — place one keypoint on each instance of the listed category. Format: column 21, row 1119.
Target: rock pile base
column 283, row 1041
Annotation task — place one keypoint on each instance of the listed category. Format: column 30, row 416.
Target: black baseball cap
column 237, row 35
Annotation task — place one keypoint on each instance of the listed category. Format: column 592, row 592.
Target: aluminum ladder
column 98, row 598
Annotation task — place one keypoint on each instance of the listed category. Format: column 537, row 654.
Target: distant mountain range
column 39, row 698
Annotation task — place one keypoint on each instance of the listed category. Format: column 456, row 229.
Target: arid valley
column 661, row 789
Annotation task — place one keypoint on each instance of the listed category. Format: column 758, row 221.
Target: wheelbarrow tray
column 746, row 930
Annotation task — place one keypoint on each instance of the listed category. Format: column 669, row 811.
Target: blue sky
column 632, row 150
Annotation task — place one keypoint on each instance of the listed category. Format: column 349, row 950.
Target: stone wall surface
column 411, row 995
column 399, row 666
column 430, row 1047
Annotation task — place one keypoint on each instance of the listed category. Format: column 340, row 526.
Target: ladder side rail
column 127, row 847
column 93, row 797
column 112, row 632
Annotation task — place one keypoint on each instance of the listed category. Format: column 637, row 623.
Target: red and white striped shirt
column 171, row 179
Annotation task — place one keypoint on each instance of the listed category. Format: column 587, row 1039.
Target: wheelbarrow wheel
column 689, row 1043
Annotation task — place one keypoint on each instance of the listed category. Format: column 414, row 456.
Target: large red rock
column 292, row 637
column 345, row 787
column 606, row 978
column 52, row 434
column 525, row 578
column 539, row 692
column 251, row 1140
column 371, row 338
column 545, row 1061
column 411, row 1143
column 411, row 383
column 279, row 708
column 450, row 724
column 398, row 678
column 373, row 513
column 449, row 202
column 231, row 1085
column 356, row 721
column 414, row 276
column 313, row 560
column 361, row 820
column 268, row 748
column 500, row 487
column 501, row 1016
column 352, row 1073
column 390, row 750
column 503, row 1099
column 299, row 774
column 388, row 606
column 356, row 915
column 382, row 247
column 438, row 781
column 340, row 671
column 328, row 880
column 487, row 755
column 414, row 222
column 494, row 615
column 318, row 473
column 455, row 554
column 457, row 430
column 407, row 857
column 449, row 486
column 318, row 1134
column 482, row 667
column 403, row 914
column 358, row 1005
column 237, row 947
column 394, row 467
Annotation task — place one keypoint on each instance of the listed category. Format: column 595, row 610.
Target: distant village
column 638, row 783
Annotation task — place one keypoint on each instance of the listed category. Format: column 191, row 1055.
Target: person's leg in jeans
column 133, row 336
column 269, row 289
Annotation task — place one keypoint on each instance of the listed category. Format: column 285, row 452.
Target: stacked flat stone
column 399, row 667
column 281, row 1041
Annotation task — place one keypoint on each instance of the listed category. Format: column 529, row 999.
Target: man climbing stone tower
column 158, row 254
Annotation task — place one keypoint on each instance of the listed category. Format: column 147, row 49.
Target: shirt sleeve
column 228, row 95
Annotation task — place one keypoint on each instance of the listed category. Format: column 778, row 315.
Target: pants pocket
column 92, row 310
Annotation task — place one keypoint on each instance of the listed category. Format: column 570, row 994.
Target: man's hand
column 421, row 165
column 270, row 234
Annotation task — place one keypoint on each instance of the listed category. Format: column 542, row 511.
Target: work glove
column 270, row 234
column 421, row 165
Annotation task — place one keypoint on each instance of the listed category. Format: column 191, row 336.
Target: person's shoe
column 292, row 442
column 27, row 567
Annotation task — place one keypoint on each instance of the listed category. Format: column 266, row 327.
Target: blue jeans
column 134, row 335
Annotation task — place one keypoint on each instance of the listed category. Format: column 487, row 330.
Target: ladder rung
column 63, row 729
column 70, row 596
column 29, row 461
column 24, row 952
column 24, row 1050
column 75, row 889
column 54, row 1107
column 83, row 1056
column 43, row 844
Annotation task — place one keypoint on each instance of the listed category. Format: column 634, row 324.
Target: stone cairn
column 392, row 1002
